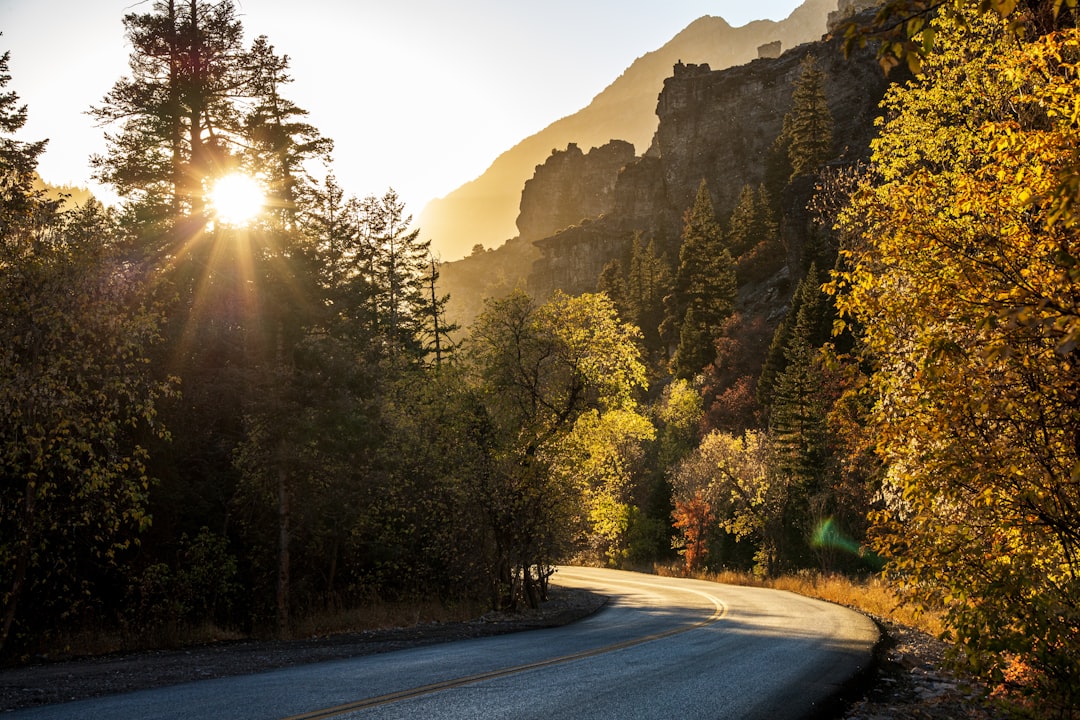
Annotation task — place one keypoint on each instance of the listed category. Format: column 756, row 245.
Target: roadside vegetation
column 217, row 423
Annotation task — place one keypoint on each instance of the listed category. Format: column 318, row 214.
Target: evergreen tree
column 22, row 208
column 797, row 420
column 809, row 310
column 177, row 111
column 752, row 221
column 648, row 282
column 437, row 330
column 281, row 142
column 797, row 446
column 639, row 289
column 808, row 128
column 704, row 290
column 397, row 268
column 612, row 282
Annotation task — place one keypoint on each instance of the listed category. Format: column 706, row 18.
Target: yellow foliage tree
column 962, row 274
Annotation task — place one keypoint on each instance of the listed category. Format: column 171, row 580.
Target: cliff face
column 718, row 126
column 721, row 125
column 484, row 210
column 571, row 186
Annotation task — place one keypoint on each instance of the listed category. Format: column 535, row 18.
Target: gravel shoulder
column 912, row 682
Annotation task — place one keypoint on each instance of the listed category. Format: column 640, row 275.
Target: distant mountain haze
column 484, row 210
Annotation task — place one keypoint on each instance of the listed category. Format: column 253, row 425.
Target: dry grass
column 873, row 595
column 94, row 643
column 377, row 615
column 373, row 615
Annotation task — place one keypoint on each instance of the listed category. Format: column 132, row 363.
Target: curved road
column 662, row 648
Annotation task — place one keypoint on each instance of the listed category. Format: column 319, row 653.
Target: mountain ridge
column 484, row 210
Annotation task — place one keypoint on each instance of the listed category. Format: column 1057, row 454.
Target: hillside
column 484, row 210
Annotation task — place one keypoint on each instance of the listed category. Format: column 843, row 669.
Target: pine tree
column 704, row 290
column 397, row 268
column 808, row 128
column 280, row 140
column 797, row 419
column 797, row 444
column 809, row 310
column 21, row 206
column 612, row 282
column 177, row 111
column 752, row 221
column 648, row 281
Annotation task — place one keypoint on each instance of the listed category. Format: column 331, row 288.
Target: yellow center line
column 719, row 610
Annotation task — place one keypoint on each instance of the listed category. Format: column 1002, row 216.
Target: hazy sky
column 418, row 95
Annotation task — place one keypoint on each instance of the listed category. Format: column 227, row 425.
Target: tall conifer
column 808, row 128
column 704, row 292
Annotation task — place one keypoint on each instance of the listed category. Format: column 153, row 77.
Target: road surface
column 662, row 648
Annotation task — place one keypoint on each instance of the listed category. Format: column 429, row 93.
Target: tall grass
column 872, row 595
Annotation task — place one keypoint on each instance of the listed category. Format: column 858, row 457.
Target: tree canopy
column 962, row 279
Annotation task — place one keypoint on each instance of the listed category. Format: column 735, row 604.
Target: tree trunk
column 283, row 554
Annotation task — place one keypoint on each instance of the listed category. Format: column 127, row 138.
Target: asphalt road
column 662, row 648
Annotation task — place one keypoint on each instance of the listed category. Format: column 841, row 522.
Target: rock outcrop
column 570, row 187
column 720, row 125
column 770, row 50
column 847, row 10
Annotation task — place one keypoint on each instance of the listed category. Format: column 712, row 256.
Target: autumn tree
column 539, row 369
column 603, row 456
column 903, row 32
column 730, row 381
column 726, row 478
column 694, row 520
column 962, row 278
column 677, row 416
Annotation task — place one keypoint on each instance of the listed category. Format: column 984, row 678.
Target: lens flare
column 828, row 535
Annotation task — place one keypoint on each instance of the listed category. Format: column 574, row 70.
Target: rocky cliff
column 571, row 186
column 718, row 126
column 484, row 210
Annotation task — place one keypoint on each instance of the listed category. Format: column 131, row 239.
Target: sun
column 236, row 199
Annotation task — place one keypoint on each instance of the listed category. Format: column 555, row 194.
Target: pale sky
column 418, row 95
